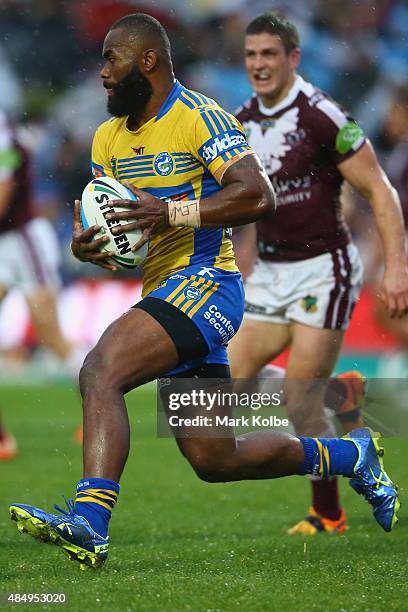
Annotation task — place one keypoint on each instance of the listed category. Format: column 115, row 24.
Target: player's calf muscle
column 212, row 468
column 253, row 456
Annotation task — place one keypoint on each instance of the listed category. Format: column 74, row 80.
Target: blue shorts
column 214, row 300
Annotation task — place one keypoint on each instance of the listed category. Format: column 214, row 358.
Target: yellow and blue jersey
column 182, row 154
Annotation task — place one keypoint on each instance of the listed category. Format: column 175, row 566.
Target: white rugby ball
column 95, row 204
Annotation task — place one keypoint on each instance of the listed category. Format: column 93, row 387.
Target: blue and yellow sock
column 326, row 457
column 95, row 500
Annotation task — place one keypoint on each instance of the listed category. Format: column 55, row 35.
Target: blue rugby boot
column 371, row 480
column 68, row 530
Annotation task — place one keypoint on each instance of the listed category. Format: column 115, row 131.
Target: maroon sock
column 325, row 494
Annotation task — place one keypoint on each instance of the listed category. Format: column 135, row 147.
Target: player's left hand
column 394, row 291
column 147, row 213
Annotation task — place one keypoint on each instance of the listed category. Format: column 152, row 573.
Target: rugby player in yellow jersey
column 188, row 162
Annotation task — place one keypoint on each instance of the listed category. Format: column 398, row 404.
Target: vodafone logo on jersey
column 221, row 143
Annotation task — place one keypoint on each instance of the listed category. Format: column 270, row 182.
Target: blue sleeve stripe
column 190, row 98
column 210, row 102
column 233, row 152
column 208, row 124
column 224, row 125
column 216, row 121
column 201, row 98
column 193, row 96
column 228, row 119
column 186, row 102
column 238, row 150
column 206, row 101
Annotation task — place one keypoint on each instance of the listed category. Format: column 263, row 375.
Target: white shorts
column 30, row 257
column 321, row 291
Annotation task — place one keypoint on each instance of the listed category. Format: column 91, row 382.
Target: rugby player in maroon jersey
column 29, row 253
column 308, row 274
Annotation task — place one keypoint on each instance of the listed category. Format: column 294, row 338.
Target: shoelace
column 70, row 504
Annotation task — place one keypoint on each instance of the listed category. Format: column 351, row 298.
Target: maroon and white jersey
column 14, row 164
column 300, row 142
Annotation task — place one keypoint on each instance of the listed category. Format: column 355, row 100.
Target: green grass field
column 180, row 544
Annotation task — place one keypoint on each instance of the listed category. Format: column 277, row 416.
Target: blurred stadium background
column 356, row 50
column 180, row 544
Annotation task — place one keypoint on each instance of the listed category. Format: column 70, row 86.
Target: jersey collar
column 290, row 98
column 170, row 100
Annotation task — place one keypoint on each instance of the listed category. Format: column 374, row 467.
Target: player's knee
column 92, row 372
column 84, row 376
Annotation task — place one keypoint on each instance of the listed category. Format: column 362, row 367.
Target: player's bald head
column 144, row 31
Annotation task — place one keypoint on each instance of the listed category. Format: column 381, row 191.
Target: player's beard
column 131, row 95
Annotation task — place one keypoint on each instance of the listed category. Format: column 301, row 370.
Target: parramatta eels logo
column 192, row 293
column 309, row 303
column 163, row 163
